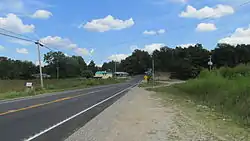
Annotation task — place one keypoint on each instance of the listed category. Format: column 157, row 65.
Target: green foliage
column 138, row 63
column 68, row 66
column 16, row 69
column 92, row 67
column 226, row 89
column 87, row 74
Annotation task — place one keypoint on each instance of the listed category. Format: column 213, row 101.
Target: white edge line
column 62, row 122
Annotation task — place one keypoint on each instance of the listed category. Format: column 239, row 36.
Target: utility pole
column 57, row 73
column 115, row 66
column 40, row 64
column 57, row 70
column 210, row 63
column 153, row 70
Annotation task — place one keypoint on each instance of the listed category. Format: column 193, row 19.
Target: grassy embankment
column 16, row 88
column 221, row 99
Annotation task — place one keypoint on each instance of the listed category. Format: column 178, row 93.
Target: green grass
column 226, row 90
column 16, row 88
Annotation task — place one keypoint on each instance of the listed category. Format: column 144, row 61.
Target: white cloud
column 152, row 47
column 118, row 57
column 107, row 23
column 153, row 32
column 99, row 65
column 64, row 43
column 22, row 50
column 204, row 27
column 207, row 12
column 42, row 14
column 185, row 45
column 240, row 36
column 81, row 51
column 161, row 31
column 21, row 42
column 149, row 48
column 2, row 47
column 14, row 23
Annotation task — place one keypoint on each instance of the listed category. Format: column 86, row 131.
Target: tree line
column 182, row 63
column 58, row 65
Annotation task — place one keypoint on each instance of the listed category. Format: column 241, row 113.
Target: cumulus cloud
column 153, row 32
column 118, row 57
column 106, row 24
column 42, row 14
column 185, row 45
column 240, row 36
column 64, row 43
column 205, row 27
column 152, row 47
column 207, row 12
column 14, row 23
column 150, row 32
column 99, row 65
column 22, row 50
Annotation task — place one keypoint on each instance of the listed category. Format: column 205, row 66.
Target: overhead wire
column 12, row 36
column 21, row 35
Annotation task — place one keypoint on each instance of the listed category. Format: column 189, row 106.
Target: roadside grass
column 16, row 88
column 220, row 125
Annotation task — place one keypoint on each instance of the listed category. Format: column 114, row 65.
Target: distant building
column 3, row 59
column 103, row 74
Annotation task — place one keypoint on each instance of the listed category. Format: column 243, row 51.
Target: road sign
column 29, row 84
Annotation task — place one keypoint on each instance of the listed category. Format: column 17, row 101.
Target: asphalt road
column 53, row 117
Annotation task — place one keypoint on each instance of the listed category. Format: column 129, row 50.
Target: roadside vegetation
column 16, row 88
column 227, row 90
column 219, row 98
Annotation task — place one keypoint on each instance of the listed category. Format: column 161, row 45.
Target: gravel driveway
column 139, row 116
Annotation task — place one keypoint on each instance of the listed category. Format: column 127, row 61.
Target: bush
column 87, row 74
column 226, row 89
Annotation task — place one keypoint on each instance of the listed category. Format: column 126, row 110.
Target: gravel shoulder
column 141, row 116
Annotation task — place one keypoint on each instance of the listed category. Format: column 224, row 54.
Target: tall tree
column 92, row 67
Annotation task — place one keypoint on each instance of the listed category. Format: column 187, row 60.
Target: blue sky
column 105, row 30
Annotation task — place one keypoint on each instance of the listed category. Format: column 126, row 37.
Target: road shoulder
column 137, row 116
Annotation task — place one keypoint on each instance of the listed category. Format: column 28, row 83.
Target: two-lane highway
column 56, row 116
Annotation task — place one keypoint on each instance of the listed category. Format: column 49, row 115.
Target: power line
column 16, row 33
column 12, row 36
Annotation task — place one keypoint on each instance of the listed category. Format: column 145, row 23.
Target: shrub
column 226, row 89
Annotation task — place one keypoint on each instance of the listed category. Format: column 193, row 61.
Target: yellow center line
column 39, row 105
